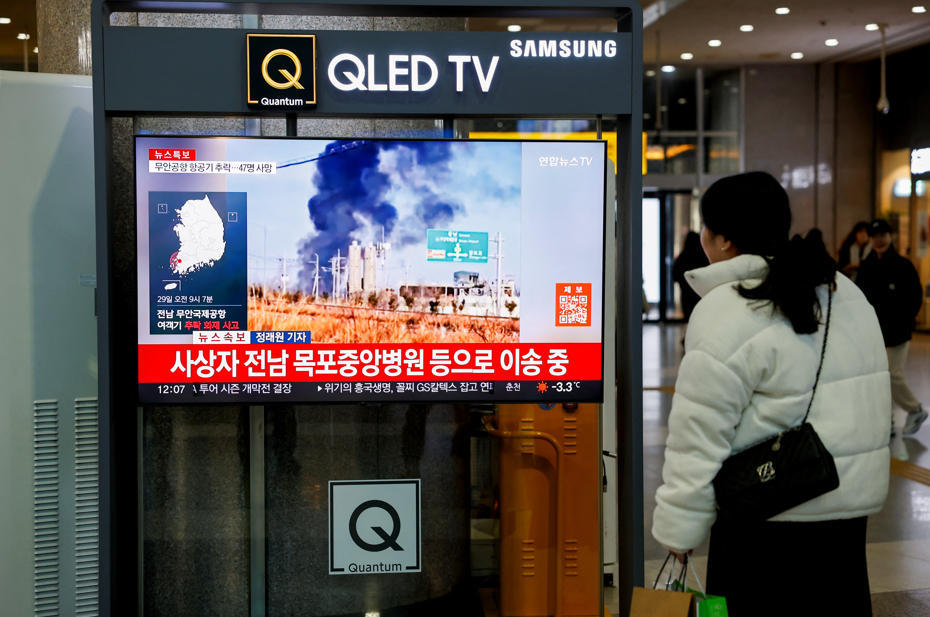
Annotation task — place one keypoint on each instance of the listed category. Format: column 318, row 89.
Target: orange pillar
column 550, row 556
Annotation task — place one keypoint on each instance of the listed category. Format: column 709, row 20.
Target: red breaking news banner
column 226, row 373
column 171, row 154
column 383, row 362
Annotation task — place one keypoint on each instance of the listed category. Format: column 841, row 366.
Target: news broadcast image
column 369, row 270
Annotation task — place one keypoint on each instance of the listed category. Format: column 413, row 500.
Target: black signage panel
column 148, row 70
column 281, row 70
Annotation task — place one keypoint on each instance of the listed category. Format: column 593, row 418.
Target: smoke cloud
column 352, row 197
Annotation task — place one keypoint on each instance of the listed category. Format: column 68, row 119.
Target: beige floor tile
column 915, row 549
column 892, row 570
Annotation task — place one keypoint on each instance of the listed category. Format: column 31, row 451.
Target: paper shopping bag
column 661, row 603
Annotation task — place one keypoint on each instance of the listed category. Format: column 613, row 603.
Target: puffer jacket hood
column 746, row 376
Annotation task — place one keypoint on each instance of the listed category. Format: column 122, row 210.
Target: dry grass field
column 347, row 323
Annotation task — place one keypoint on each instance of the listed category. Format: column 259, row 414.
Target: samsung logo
column 563, row 49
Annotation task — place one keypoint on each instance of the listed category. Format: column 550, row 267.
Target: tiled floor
column 898, row 537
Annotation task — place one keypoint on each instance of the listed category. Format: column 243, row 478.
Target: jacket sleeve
column 915, row 291
column 708, row 404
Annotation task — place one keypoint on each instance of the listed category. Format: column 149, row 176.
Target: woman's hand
column 681, row 556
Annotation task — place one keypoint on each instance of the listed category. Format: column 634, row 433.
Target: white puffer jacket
column 746, row 376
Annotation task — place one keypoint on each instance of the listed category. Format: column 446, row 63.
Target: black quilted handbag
column 781, row 472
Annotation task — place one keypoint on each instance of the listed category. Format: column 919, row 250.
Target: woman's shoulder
column 724, row 320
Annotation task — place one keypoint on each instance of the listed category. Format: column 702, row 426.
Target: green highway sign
column 462, row 246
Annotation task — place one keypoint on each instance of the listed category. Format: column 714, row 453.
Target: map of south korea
column 200, row 232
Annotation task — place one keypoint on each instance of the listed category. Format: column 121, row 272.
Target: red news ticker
column 171, row 154
column 376, row 362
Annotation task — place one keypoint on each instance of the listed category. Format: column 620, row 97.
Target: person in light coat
column 751, row 357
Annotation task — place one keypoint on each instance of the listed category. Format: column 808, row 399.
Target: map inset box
column 197, row 262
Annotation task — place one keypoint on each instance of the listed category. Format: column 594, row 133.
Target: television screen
column 321, row 270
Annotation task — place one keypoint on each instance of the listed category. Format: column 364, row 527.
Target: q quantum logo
column 281, row 70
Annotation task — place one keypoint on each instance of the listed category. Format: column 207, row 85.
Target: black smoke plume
column 351, row 195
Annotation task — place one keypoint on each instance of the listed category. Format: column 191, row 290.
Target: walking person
column 690, row 258
column 892, row 286
column 854, row 249
column 757, row 363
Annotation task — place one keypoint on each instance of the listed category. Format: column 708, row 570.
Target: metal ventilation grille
column 45, row 507
column 87, row 520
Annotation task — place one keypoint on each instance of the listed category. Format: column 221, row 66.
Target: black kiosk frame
column 130, row 81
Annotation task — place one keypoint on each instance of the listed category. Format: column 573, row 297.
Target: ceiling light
column 514, row 28
column 797, row 55
column 872, row 27
column 831, row 42
column 782, row 11
column 36, row 50
column 668, row 68
column 714, row 43
column 687, row 56
column 22, row 36
column 4, row 20
column 919, row 9
column 650, row 73
column 682, row 101
column 746, row 28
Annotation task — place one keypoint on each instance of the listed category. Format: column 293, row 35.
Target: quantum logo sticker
column 281, row 62
column 374, row 526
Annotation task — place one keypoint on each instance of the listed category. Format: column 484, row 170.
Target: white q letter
column 355, row 81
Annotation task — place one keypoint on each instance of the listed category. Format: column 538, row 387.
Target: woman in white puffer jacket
column 751, row 356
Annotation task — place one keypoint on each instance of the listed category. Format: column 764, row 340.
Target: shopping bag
column 707, row 605
column 662, row 603
column 672, row 601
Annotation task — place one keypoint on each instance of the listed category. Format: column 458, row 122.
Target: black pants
column 799, row 569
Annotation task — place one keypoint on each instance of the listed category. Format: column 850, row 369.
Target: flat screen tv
column 322, row 270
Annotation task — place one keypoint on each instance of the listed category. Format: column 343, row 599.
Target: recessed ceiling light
column 22, row 36
column 872, row 27
column 647, row 116
column 4, row 20
column 650, row 73
column 35, row 50
column 687, row 56
column 668, row 68
column 782, row 11
column 746, row 28
column 797, row 55
column 682, row 101
column 714, row 43
column 831, row 42
column 514, row 28
column 919, row 9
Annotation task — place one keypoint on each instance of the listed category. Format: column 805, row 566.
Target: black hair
column 753, row 212
column 844, row 257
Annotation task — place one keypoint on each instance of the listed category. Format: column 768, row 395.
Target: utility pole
column 316, row 276
column 265, row 263
column 500, row 283
column 284, row 276
column 334, row 263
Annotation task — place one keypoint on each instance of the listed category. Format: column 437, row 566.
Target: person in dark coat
column 891, row 284
column 690, row 258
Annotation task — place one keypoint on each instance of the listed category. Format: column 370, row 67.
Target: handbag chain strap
column 823, row 352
